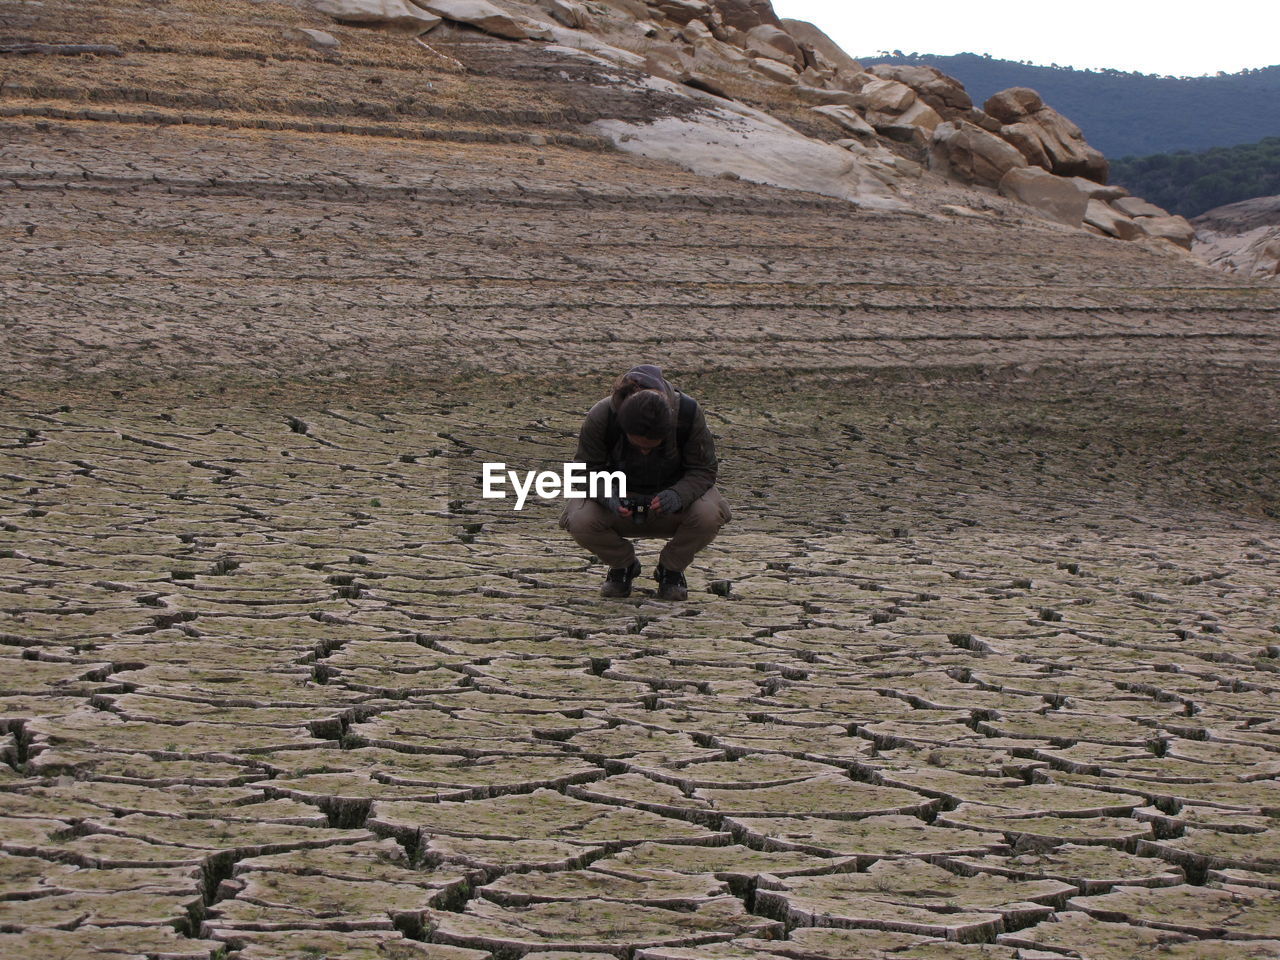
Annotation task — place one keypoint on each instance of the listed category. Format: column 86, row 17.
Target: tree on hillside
column 1191, row 183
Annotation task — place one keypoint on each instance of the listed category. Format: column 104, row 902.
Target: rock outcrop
column 485, row 16
column 750, row 145
column 849, row 120
column 895, row 110
column 1241, row 238
column 1110, row 221
column 1172, row 228
column 682, row 11
column 1056, row 197
column 774, row 43
column 1045, row 137
column 821, row 52
column 397, row 13
column 972, row 155
column 745, row 15
column 944, row 94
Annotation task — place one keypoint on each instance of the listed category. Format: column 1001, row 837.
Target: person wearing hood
column 658, row 438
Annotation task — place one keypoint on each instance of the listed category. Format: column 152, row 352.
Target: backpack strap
column 684, row 420
column 611, row 432
column 684, row 424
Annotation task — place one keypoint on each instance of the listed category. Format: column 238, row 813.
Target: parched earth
column 986, row 665
column 977, row 662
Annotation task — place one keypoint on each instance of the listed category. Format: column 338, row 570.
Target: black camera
column 639, row 509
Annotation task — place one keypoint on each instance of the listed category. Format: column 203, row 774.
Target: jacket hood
column 650, row 376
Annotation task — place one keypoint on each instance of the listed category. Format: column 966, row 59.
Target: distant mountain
column 1191, row 183
column 1131, row 114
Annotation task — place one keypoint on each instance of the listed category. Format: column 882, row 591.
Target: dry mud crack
column 275, row 684
column 987, row 664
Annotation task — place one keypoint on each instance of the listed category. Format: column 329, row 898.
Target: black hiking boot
column 671, row 584
column 617, row 582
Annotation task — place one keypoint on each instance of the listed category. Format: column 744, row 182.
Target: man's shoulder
column 598, row 416
column 689, row 412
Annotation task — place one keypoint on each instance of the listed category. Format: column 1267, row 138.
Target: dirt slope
column 516, row 252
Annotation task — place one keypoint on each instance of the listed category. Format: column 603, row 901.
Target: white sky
column 1174, row 37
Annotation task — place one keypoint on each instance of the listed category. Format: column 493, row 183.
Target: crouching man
column 658, row 438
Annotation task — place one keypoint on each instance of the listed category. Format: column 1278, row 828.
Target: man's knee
column 705, row 513
column 587, row 518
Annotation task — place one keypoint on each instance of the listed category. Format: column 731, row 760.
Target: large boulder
column 483, row 15
column 697, row 31
column 944, row 94
column 829, row 53
column 920, row 115
column 886, row 97
column 1058, row 198
column 397, row 13
column 848, row 120
column 775, row 70
column 1137, row 207
column 894, row 110
column 745, row 14
column 1110, row 220
column 775, row 43
column 968, row 153
column 1101, row 191
column 1014, row 104
column 681, row 11
column 569, row 13
column 980, row 118
column 1175, row 229
column 815, row 76
column 1045, row 137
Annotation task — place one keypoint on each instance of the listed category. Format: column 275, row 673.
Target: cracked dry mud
column 985, row 666
column 302, row 694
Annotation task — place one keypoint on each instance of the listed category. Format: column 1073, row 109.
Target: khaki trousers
column 609, row 536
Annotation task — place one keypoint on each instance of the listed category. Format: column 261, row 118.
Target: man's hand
column 615, row 504
column 668, row 501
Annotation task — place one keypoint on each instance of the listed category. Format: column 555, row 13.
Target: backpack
column 684, row 425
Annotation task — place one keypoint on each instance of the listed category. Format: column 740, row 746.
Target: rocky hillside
column 845, row 132
column 1127, row 113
